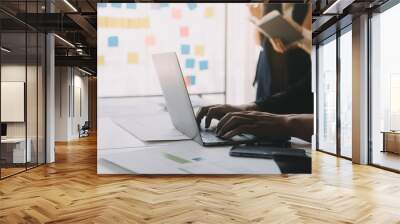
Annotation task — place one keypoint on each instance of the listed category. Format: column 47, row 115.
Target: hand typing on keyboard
column 266, row 125
column 220, row 110
column 236, row 120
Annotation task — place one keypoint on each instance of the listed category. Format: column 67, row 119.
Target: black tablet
column 261, row 151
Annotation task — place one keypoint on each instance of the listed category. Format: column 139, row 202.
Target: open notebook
column 274, row 25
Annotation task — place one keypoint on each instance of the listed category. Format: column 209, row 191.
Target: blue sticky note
column 203, row 65
column 131, row 5
column 192, row 79
column 185, row 49
column 192, row 5
column 164, row 5
column 101, row 5
column 116, row 5
column 113, row 41
column 189, row 63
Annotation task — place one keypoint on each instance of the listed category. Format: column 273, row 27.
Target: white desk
column 120, row 152
column 18, row 150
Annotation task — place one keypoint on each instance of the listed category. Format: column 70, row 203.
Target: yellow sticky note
column 114, row 22
column 133, row 58
column 144, row 22
column 100, row 60
column 138, row 23
column 199, row 50
column 209, row 12
column 123, row 22
column 101, row 21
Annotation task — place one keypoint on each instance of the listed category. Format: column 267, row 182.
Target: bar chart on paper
column 129, row 33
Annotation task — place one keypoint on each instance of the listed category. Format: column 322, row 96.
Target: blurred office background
column 51, row 47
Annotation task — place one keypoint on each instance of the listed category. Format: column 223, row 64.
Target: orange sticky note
column 199, row 50
column 176, row 13
column 133, row 58
column 150, row 40
column 209, row 12
column 100, row 60
column 184, row 31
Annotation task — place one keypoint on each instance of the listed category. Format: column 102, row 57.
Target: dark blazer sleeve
column 298, row 98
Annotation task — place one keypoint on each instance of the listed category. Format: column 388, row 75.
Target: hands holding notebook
column 283, row 31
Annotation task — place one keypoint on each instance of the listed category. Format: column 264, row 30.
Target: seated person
column 287, row 113
column 276, row 110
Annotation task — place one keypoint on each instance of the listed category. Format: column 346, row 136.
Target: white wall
column 14, row 73
column 67, row 116
column 10, row 73
column 242, row 55
column 79, row 118
column 62, row 113
column 33, row 126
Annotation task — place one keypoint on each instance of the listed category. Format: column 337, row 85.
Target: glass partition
column 346, row 93
column 32, row 102
column 327, row 95
column 31, row 99
column 41, row 88
column 13, row 109
column 23, row 90
column 385, row 89
column 41, row 107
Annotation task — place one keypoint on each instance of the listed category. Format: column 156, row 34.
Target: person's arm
column 306, row 42
column 301, row 126
column 266, row 125
column 297, row 98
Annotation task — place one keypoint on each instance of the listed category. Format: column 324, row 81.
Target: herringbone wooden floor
column 70, row 191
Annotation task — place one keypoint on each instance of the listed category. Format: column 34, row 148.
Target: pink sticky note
column 187, row 81
column 150, row 40
column 184, row 31
column 176, row 13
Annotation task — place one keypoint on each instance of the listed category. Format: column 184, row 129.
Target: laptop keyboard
column 210, row 136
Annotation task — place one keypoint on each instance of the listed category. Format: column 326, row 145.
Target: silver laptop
column 179, row 106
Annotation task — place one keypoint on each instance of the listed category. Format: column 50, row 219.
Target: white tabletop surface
column 121, row 152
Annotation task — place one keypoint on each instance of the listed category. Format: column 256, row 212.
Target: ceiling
column 75, row 21
column 332, row 15
column 74, row 24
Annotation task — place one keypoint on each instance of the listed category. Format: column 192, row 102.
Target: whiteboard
column 12, row 101
column 129, row 33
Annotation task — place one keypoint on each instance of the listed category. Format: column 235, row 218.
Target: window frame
column 27, row 29
column 333, row 37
